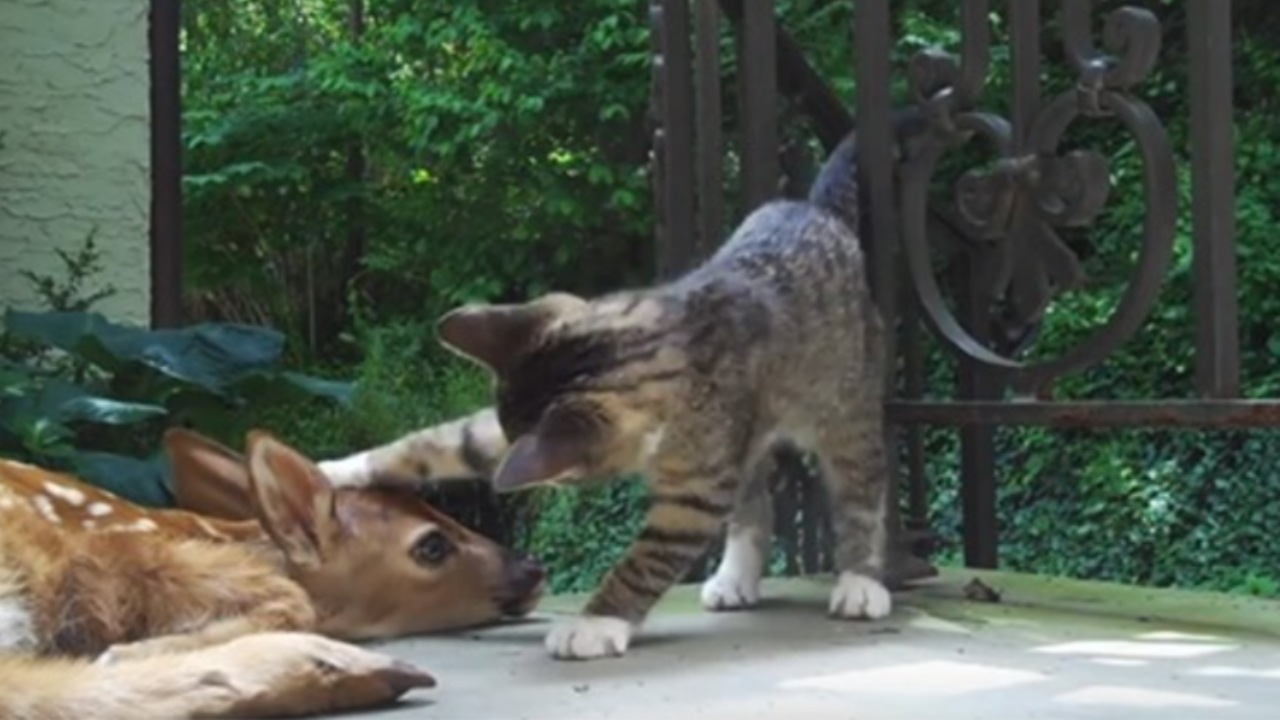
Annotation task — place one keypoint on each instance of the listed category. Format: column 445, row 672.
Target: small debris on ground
column 978, row 591
column 581, row 688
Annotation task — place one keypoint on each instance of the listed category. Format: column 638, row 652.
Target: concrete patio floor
column 1051, row 648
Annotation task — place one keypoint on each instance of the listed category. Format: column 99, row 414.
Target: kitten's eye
column 431, row 549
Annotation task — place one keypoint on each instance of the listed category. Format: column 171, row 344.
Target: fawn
column 211, row 616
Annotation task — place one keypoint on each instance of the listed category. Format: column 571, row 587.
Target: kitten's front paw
column 588, row 637
column 730, row 591
column 349, row 471
column 860, row 597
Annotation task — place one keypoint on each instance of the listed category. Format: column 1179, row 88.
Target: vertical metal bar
column 1213, row 199
column 759, row 73
column 675, row 151
column 977, row 444
column 166, row 163
column 709, row 139
column 804, row 86
column 1024, row 28
column 785, row 515
column 658, row 151
column 815, row 506
column 913, row 388
column 873, row 40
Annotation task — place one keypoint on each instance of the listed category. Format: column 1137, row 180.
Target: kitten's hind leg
column 736, row 582
column 856, row 475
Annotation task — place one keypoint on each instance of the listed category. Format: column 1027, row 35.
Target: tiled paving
column 1049, row 649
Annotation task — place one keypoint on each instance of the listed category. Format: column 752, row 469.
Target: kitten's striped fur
column 466, row 448
column 774, row 339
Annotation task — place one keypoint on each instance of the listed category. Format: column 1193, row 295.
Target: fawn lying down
column 207, row 616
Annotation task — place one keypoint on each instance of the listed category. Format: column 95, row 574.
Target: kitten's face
column 559, row 399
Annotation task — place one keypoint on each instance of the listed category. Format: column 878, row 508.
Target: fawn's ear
column 293, row 500
column 209, row 478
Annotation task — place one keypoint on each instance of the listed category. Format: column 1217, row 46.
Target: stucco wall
column 75, row 144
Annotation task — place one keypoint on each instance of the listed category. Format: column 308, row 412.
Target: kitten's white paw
column 860, row 597
column 729, row 590
column 349, row 471
column 589, row 637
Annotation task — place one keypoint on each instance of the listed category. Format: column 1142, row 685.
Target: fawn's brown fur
column 226, row 608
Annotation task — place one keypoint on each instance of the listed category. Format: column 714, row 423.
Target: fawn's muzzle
column 524, row 581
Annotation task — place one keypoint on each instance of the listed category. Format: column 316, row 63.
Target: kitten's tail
column 836, row 187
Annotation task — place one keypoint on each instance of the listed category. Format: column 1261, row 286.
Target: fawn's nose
column 526, row 573
column 525, row 579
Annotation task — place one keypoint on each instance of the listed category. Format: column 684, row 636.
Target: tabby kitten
column 774, row 339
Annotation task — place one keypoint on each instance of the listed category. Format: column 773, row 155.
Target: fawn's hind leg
column 213, row 594
column 278, row 614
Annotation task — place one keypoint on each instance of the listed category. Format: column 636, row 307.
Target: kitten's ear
column 491, row 335
column 538, row 458
column 495, row 335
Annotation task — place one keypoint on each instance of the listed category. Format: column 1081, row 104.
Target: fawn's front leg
column 276, row 674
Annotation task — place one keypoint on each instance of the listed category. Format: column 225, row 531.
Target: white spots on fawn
column 44, row 506
column 7, row 503
column 98, row 509
column 141, row 525
column 71, row 496
column 210, row 530
column 89, row 524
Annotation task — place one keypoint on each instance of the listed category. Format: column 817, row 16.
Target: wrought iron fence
column 1006, row 214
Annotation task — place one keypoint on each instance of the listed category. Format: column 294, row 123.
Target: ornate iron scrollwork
column 1014, row 205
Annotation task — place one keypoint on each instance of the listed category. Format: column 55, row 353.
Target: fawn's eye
column 431, row 549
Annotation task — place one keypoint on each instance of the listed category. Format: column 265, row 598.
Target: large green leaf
column 342, row 392
column 143, row 481
column 67, row 402
column 210, row 355
column 106, row 411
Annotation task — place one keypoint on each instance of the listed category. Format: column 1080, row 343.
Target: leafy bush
column 581, row 532
column 82, row 394
column 90, row 396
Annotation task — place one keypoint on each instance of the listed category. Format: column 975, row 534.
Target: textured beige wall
column 75, row 144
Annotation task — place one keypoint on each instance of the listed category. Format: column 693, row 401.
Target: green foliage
column 347, row 181
column 96, row 397
column 69, row 293
column 503, row 152
column 401, row 384
column 85, row 395
column 581, row 532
